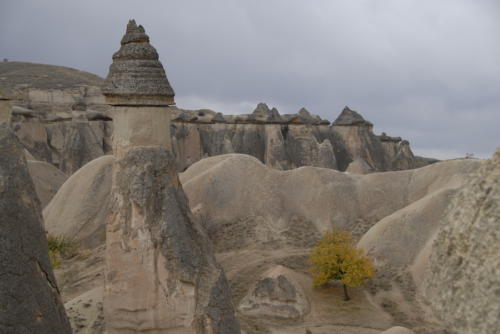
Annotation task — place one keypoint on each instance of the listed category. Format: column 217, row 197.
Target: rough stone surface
column 78, row 211
column 282, row 224
column 275, row 295
column 70, row 143
column 136, row 75
column 47, row 180
column 161, row 276
column 86, row 313
column 397, row 330
column 350, row 117
column 30, row 300
column 463, row 279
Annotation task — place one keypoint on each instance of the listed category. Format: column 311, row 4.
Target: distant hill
column 19, row 75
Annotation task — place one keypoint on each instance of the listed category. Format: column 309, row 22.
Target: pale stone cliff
column 72, row 131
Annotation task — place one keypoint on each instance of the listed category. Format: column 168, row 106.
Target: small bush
column 60, row 248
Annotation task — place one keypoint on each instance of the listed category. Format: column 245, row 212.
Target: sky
column 425, row 70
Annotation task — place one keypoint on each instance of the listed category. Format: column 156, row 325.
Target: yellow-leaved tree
column 335, row 258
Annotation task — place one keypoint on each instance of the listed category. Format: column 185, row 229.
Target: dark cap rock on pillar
column 139, row 93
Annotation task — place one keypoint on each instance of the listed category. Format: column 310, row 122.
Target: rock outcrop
column 463, row 279
column 257, row 221
column 69, row 124
column 50, row 92
column 161, row 274
column 81, row 205
column 28, row 291
column 275, row 295
column 47, row 180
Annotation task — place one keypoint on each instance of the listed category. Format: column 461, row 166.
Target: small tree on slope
column 336, row 258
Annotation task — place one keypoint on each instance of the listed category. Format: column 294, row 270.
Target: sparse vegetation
column 60, row 248
column 335, row 258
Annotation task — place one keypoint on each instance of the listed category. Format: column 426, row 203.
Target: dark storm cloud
column 425, row 70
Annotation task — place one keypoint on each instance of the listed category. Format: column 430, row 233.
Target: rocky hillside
column 262, row 231
column 60, row 117
column 45, row 90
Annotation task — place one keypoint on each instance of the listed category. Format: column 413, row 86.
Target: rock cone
column 136, row 75
column 30, row 300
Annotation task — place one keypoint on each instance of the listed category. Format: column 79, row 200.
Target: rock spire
column 351, row 117
column 136, row 76
column 30, row 299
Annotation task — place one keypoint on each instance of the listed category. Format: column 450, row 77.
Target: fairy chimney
column 139, row 93
column 161, row 275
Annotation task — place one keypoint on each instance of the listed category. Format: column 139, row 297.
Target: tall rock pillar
column 161, row 275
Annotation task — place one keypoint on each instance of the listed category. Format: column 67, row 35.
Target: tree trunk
column 346, row 295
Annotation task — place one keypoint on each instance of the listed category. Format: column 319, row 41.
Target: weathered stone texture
column 161, row 274
column 30, row 301
column 463, row 279
column 136, row 76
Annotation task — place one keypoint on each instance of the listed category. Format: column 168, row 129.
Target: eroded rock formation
column 30, row 300
column 463, row 278
column 78, row 128
column 161, row 275
column 258, row 221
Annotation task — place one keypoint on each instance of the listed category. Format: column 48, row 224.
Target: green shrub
column 60, row 248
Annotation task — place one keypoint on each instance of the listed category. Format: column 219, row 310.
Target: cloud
column 424, row 70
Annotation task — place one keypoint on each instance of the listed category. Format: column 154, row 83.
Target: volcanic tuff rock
column 350, row 117
column 281, row 225
column 51, row 99
column 50, row 90
column 47, row 180
column 178, row 287
column 136, row 75
column 28, row 291
column 463, row 279
column 83, row 200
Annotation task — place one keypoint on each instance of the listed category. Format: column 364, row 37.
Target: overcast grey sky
column 426, row 70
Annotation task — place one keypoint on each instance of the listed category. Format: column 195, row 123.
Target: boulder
column 275, row 294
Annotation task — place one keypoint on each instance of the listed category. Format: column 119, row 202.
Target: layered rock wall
column 69, row 144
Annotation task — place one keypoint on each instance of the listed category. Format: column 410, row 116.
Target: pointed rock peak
column 275, row 112
column 134, row 34
column 136, row 76
column 304, row 112
column 261, row 108
column 350, row 117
